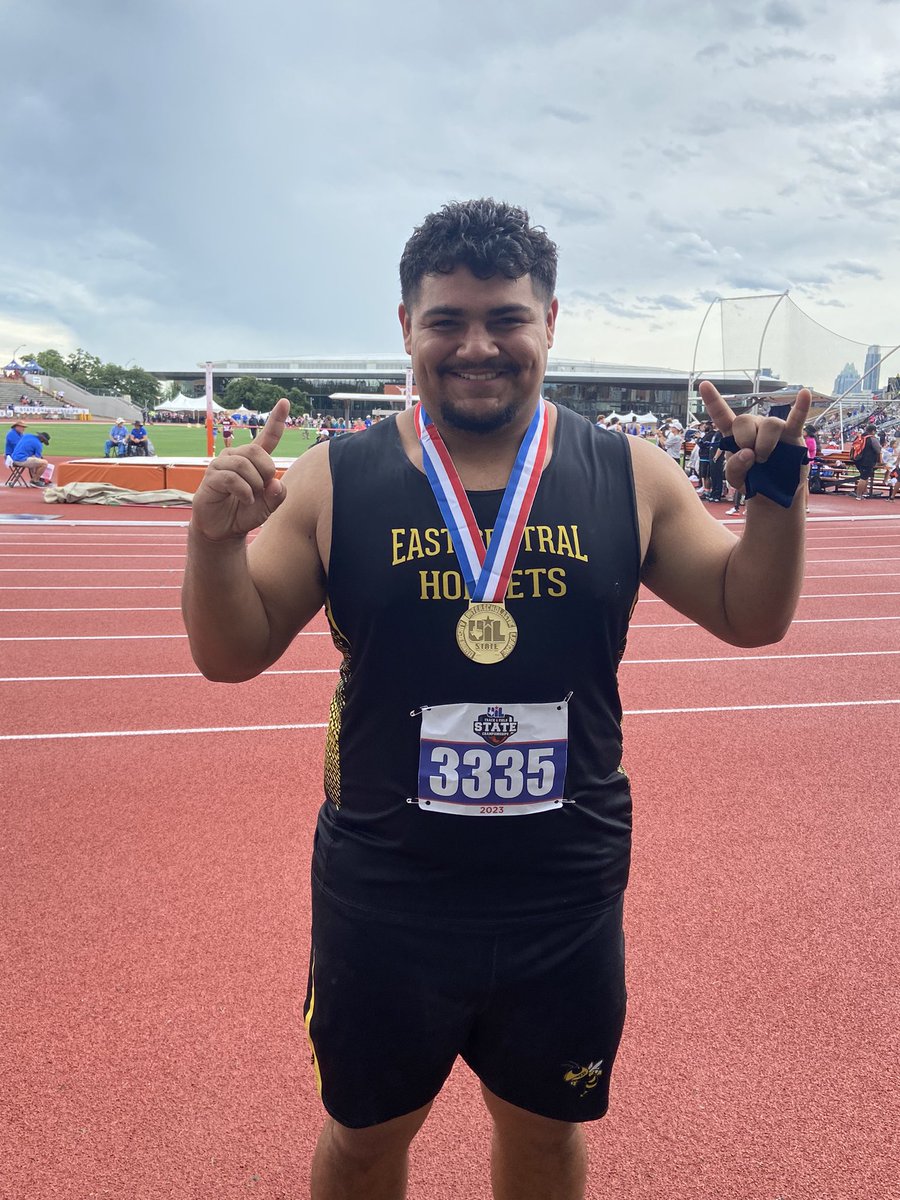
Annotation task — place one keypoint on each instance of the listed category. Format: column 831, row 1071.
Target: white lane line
column 117, row 608
column 742, row 708
column 634, row 712
column 819, row 562
column 151, row 637
column 763, row 658
column 628, row 662
column 91, row 587
column 693, row 624
column 179, row 675
column 656, row 599
column 120, row 733
column 112, row 549
column 104, row 570
column 78, row 543
column 860, row 575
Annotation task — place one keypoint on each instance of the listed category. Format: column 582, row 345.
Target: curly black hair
column 489, row 237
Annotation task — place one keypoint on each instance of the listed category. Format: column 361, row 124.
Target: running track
column 155, row 832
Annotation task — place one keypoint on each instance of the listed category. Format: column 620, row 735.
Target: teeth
column 481, row 377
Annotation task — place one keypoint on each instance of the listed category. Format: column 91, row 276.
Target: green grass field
column 86, row 439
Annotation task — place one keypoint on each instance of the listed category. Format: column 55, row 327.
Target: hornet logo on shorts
column 495, row 726
column 584, row 1079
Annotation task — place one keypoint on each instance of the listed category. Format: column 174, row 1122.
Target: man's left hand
column 756, row 436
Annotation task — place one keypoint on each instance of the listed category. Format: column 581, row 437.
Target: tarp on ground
column 107, row 493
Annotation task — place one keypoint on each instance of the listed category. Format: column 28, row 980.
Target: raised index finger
column 720, row 414
column 274, row 427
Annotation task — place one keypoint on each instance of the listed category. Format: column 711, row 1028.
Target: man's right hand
column 239, row 490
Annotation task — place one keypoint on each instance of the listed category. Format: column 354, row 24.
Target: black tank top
column 395, row 594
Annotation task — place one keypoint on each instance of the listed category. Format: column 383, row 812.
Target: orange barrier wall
column 148, row 477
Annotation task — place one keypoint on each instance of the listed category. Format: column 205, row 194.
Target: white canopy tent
column 187, row 404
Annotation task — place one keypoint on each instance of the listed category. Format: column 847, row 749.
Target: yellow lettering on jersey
column 563, row 546
column 414, row 549
column 432, row 540
column 545, row 539
column 397, row 556
column 556, row 577
column 576, row 546
column 536, row 582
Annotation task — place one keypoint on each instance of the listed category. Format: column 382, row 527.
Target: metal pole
column 210, row 441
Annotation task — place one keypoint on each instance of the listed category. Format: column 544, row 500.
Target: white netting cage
column 770, row 337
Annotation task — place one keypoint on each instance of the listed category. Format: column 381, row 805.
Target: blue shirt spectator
column 30, row 445
column 13, row 437
column 29, row 450
column 118, row 435
column 137, row 439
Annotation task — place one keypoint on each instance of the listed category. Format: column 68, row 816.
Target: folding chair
column 16, row 475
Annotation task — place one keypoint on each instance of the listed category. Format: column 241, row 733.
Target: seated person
column 137, row 439
column 29, row 450
column 15, row 433
column 118, row 435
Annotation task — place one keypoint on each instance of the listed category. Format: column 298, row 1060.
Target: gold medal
column 486, row 633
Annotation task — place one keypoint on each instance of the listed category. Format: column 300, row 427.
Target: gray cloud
column 180, row 198
column 784, row 15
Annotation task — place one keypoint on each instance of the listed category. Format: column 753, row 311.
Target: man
column 16, row 430
column 137, row 440
column 29, row 450
column 866, row 458
column 253, row 426
column 118, row 436
column 441, row 928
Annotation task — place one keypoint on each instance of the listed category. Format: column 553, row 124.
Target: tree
column 53, row 363
column 300, row 402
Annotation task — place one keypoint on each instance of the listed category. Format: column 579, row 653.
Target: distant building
column 848, row 380
column 871, row 371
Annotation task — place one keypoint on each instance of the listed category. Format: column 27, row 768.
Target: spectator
column 674, row 443
column 29, row 450
column 812, row 449
column 118, row 436
column 704, row 459
column 866, row 460
column 254, row 425
column 16, row 431
column 137, row 440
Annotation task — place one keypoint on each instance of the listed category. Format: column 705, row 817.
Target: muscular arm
column 243, row 605
column 742, row 590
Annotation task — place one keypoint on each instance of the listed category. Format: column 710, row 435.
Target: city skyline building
column 848, row 380
column 871, row 371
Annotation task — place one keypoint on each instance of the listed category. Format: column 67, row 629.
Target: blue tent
column 13, row 366
column 33, row 368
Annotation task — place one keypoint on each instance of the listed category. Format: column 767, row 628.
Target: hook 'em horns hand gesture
column 756, row 437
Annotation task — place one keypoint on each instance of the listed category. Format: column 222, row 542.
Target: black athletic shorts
column 536, row 1009
column 866, row 470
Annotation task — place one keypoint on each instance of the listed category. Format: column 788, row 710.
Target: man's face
column 479, row 347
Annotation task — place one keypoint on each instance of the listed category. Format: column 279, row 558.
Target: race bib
column 493, row 760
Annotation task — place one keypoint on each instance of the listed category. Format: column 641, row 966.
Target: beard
column 477, row 422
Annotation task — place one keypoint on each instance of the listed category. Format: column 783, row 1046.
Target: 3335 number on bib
column 493, row 760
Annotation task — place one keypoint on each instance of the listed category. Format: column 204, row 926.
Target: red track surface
column 155, row 912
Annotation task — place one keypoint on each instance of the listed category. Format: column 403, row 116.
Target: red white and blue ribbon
column 486, row 571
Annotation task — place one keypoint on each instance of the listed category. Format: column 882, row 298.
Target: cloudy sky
column 192, row 179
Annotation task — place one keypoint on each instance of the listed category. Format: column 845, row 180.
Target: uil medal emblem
column 486, row 633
